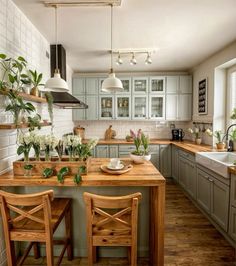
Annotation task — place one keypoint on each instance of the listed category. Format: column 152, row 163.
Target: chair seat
column 58, row 208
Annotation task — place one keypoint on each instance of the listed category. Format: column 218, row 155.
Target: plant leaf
column 77, row 179
column 47, row 172
column 3, row 56
column 28, row 167
column 11, row 78
column 20, row 149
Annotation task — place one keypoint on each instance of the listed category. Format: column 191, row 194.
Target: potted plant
column 35, row 79
column 197, row 135
column 140, row 156
column 220, row 145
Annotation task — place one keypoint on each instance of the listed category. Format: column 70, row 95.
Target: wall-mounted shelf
column 29, row 97
column 25, row 125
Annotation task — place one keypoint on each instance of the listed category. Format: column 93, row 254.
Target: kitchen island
column 140, row 177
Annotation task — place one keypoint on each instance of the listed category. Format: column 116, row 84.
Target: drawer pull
column 211, row 180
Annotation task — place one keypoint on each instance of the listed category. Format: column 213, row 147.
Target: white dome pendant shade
column 56, row 83
column 112, row 84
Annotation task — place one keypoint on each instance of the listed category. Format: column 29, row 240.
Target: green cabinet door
column 91, row 86
column 78, row 86
column 182, row 172
column 191, row 178
column 102, row 151
column 78, row 114
column 92, row 111
column 175, row 163
column 165, row 160
column 219, row 202
column 232, row 223
column 155, row 155
column 203, row 190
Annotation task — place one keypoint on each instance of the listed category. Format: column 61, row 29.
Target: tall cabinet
column 179, row 98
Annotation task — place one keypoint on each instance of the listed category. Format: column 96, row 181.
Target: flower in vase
column 35, row 139
column 71, row 142
column 195, row 132
column 47, row 144
column 25, row 145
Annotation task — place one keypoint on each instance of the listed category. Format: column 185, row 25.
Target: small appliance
column 178, row 134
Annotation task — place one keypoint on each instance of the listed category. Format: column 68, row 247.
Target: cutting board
column 126, row 169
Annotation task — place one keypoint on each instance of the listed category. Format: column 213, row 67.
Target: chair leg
column 129, row 255
column 94, row 254
column 133, row 256
column 90, row 254
column 37, row 254
column 49, row 253
column 11, row 256
column 68, row 225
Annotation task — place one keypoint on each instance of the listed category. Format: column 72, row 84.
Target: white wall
column 18, row 36
column 207, row 70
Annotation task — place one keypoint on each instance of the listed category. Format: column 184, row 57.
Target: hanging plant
column 49, row 99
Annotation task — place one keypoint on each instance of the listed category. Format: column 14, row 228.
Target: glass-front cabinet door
column 156, row 107
column 106, row 107
column 140, row 85
column 126, row 85
column 123, row 107
column 157, row 85
column 140, row 107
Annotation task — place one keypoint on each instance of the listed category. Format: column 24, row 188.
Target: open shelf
column 25, row 125
column 29, row 97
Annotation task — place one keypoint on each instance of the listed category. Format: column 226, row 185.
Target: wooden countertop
column 232, row 170
column 189, row 146
column 141, row 175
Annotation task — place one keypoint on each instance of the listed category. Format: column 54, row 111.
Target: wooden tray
column 126, row 169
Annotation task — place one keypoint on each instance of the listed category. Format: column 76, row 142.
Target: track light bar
column 82, row 3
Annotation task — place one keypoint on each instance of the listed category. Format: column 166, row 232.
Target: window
column 231, row 93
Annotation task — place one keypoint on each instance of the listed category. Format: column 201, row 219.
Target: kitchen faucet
column 229, row 145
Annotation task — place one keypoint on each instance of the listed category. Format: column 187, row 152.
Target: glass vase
column 47, row 157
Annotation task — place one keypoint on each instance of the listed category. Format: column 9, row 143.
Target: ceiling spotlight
column 133, row 60
column 119, row 61
column 148, row 60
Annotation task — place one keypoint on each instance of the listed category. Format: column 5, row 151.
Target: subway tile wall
column 18, row 36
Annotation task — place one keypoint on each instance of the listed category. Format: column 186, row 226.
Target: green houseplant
column 220, row 145
column 35, row 79
column 233, row 138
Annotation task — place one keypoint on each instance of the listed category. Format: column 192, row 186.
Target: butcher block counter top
column 141, row 174
column 232, row 170
column 189, row 146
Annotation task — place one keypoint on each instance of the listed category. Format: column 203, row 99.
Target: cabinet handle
column 207, row 177
column 212, row 181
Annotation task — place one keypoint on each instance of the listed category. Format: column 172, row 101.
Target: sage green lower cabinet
column 232, row 223
column 165, row 160
column 232, row 217
column 213, row 196
column 107, row 151
column 102, row 151
column 182, row 172
column 125, row 150
column 175, row 163
column 155, row 155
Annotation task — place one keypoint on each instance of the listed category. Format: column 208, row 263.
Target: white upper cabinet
column 171, row 106
column 185, row 84
column 157, row 85
column 140, row 85
column 156, row 107
column 184, row 107
column 172, row 84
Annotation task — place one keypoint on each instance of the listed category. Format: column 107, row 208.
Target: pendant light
column 56, row 83
column 112, row 84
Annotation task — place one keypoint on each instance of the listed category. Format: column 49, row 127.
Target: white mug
column 115, row 162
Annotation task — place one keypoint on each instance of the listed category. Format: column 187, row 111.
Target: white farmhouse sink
column 216, row 161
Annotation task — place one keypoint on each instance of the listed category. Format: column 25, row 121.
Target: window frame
column 229, row 106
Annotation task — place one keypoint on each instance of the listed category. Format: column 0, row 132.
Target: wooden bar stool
column 34, row 218
column 112, row 221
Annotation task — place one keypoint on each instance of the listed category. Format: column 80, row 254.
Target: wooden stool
column 34, row 218
column 112, row 221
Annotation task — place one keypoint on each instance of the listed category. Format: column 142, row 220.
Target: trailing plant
column 48, row 172
column 61, row 174
column 78, row 177
column 49, row 99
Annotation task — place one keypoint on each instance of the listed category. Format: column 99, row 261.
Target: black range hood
column 66, row 101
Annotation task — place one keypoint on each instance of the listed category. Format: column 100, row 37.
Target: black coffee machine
column 177, row 134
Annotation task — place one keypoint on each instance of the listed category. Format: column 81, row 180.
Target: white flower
column 209, row 132
column 92, row 143
column 72, row 140
column 196, row 130
column 190, row 130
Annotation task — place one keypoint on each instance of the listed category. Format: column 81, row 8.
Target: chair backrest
column 27, row 210
column 111, row 215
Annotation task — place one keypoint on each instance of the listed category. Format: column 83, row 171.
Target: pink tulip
column 132, row 134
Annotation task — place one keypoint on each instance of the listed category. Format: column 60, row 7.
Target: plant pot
column 220, row 146
column 34, row 91
column 198, row 141
column 139, row 159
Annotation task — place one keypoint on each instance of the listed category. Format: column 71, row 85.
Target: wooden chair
column 34, row 218
column 112, row 221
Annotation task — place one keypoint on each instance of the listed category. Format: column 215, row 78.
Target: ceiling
column 184, row 32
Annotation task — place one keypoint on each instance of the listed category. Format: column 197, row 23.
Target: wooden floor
column 190, row 239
